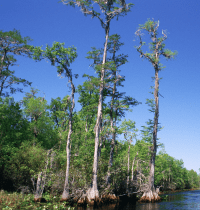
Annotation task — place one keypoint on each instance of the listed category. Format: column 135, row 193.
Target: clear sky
column 48, row 21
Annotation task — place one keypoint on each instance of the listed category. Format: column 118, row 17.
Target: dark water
column 182, row 200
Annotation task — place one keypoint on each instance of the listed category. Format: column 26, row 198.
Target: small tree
column 157, row 49
column 12, row 43
column 129, row 131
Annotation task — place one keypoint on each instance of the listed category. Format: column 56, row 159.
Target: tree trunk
column 127, row 183
column 39, row 187
column 151, row 194
column 112, row 124
column 65, row 195
column 108, row 181
column 133, row 166
column 93, row 192
column 101, row 137
column 41, row 182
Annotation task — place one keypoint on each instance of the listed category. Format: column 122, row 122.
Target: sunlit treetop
column 109, row 8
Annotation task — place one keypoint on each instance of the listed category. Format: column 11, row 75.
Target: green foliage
column 28, row 132
column 10, row 201
column 157, row 46
column 14, row 128
column 112, row 9
column 59, row 56
column 24, row 158
column 24, row 164
column 11, row 44
column 40, row 125
column 171, row 174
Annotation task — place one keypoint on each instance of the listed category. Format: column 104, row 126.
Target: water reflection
column 179, row 201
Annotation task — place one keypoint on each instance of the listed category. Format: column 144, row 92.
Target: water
column 182, row 200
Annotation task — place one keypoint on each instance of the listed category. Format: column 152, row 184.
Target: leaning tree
column 62, row 57
column 157, row 49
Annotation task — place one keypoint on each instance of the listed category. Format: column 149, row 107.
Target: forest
column 96, row 152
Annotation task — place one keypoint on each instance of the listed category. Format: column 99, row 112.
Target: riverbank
column 175, row 191
column 20, row 201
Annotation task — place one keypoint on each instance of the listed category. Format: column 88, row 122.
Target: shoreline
column 166, row 192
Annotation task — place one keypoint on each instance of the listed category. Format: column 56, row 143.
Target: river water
column 181, row 200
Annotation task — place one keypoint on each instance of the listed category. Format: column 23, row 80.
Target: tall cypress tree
column 157, row 49
column 109, row 10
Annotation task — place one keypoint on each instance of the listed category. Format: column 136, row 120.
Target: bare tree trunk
column 127, row 183
column 112, row 124
column 133, row 166
column 155, row 130
column 108, row 181
column 93, row 192
column 151, row 193
column 41, row 181
column 65, row 195
column 101, row 137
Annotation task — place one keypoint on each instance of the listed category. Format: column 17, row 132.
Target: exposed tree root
column 150, row 197
column 105, row 199
column 92, row 193
column 98, row 201
column 65, row 197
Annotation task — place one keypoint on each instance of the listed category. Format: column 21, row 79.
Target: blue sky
column 49, row 21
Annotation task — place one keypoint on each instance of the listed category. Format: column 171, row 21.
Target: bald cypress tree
column 157, row 49
column 109, row 9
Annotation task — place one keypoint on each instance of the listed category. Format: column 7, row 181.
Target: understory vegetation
column 24, row 155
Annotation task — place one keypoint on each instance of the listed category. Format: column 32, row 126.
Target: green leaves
column 128, row 129
column 111, row 9
column 58, row 55
column 40, row 125
column 170, row 173
column 156, row 46
column 14, row 128
column 149, row 26
column 12, row 43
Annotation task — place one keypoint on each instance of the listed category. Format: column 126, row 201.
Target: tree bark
column 108, row 181
column 41, row 181
column 151, row 194
column 112, row 124
column 93, row 192
column 65, row 195
column 133, row 166
column 155, row 130
column 127, row 184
